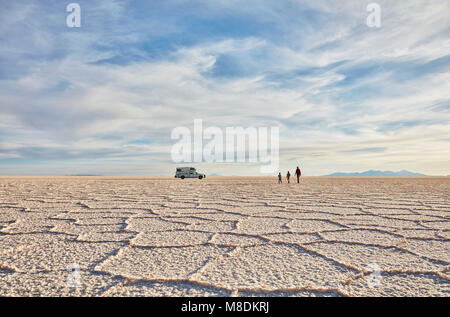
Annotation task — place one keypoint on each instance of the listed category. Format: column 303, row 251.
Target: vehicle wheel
column 182, row 177
column 200, row 177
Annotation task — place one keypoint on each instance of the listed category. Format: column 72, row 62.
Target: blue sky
column 104, row 98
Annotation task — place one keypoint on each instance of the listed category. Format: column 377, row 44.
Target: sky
column 103, row 98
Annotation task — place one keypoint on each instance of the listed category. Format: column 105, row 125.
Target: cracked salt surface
column 224, row 236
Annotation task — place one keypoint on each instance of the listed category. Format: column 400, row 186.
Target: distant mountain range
column 402, row 173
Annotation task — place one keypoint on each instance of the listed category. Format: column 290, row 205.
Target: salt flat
column 224, row 236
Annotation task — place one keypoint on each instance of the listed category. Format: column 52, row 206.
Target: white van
column 188, row 172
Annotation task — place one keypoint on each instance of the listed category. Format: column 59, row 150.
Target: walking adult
column 298, row 173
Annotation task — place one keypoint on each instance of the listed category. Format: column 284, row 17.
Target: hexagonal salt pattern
column 224, row 236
